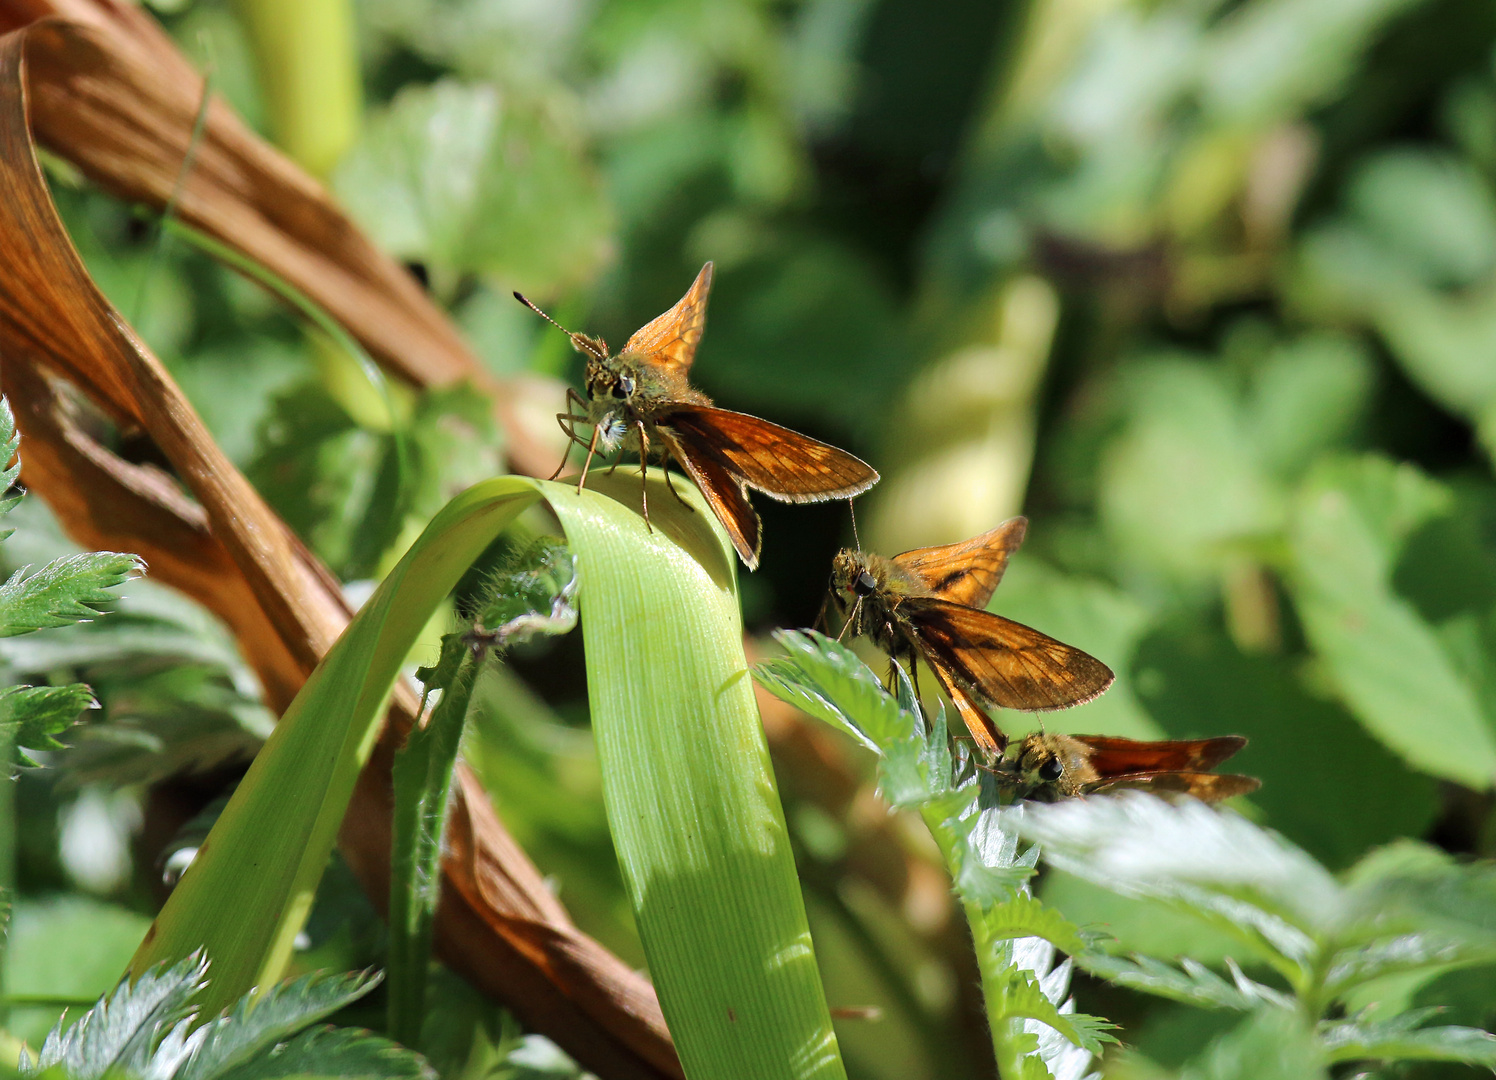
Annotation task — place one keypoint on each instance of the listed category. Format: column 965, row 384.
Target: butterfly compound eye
column 1051, row 769
column 864, row 585
column 624, row 386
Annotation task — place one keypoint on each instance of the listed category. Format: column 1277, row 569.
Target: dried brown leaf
column 111, row 94
column 498, row 925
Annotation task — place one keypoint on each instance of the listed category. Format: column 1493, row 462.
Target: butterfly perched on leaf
column 930, row 603
column 1049, row 767
column 640, row 401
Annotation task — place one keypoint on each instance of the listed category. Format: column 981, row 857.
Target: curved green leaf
column 697, row 822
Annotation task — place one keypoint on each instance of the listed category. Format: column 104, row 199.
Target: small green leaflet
column 31, row 715
column 67, row 590
column 145, row 1029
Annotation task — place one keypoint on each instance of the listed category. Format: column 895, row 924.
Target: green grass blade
column 264, row 857
column 696, row 819
column 690, row 794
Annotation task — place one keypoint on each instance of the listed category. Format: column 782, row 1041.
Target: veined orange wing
column 1011, row 665
column 723, row 492
column 967, row 573
column 1205, row 786
column 670, row 340
column 781, row 463
column 1114, row 757
column 989, row 737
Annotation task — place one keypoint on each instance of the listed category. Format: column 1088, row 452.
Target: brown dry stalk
column 115, row 97
column 498, row 924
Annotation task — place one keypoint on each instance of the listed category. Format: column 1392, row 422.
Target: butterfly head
column 614, row 398
column 853, row 572
column 611, row 383
column 1038, row 762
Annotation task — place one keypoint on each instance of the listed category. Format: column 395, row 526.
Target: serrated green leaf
column 981, row 855
column 334, row 1052
column 67, row 590
column 1192, row 983
column 121, row 1032
column 1033, row 1068
column 1400, row 1039
column 1251, row 882
column 186, row 718
column 1025, row 915
column 31, row 715
column 1016, row 993
column 532, row 597
column 1269, row 1044
column 786, row 680
column 836, row 687
column 10, row 443
column 231, row 1042
column 1402, row 955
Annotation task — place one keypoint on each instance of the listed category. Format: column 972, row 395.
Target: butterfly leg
column 665, row 468
column 571, row 435
column 821, row 624
column 644, row 474
column 568, row 420
column 851, row 618
column 591, row 450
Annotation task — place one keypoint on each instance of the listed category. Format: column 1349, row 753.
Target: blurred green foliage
column 1224, row 273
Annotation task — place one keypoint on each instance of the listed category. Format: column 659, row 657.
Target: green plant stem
column 994, row 958
column 382, row 386
column 199, row 125
column 423, row 784
column 306, row 52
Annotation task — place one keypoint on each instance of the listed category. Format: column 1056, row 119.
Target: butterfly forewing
column 781, row 463
column 723, row 492
column 670, row 340
column 966, row 573
column 1113, row 756
column 1011, row 665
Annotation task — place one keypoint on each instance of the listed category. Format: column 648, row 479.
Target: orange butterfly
column 641, row 402
column 930, row 603
column 1050, row 767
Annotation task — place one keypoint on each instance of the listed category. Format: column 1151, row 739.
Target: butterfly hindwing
column 1113, row 756
column 723, row 492
column 1205, row 786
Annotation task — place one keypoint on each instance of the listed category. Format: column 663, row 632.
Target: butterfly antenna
column 852, row 509
column 524, row 300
